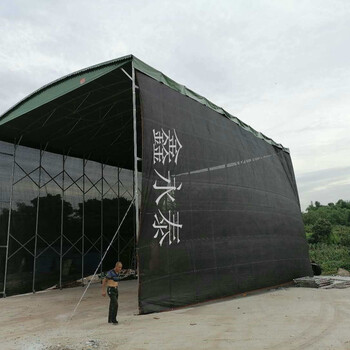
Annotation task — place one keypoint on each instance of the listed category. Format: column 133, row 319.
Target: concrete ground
column 284, row 318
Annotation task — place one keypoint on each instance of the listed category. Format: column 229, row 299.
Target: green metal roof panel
column 61, row 87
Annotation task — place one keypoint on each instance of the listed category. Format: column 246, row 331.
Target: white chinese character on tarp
column 160, row 152
column 166, row 146
column 169, row 187
column 174, row 147
column 167, row 227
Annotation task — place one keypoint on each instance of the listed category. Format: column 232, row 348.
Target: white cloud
column 281, row 66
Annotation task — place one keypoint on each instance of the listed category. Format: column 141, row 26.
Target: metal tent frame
column 83, row 184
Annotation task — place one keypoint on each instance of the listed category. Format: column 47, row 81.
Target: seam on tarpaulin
column 223, row 267
column 261, row 237
column 292, row 183
column 298, row 239
column 233, row 211
column 247, row 187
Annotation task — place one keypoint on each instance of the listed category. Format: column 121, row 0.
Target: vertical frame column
column 9, row 218
column 101, row 242
column 62, row 218
column 118, row 237
column 134, row 115
column 37, row 221
column 83, row 227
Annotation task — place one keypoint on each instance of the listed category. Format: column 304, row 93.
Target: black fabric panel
column 238, row 206
column 93, row 122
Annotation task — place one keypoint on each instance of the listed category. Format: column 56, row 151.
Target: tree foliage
column 327, row 229
column 321, row 231
column 336, row 214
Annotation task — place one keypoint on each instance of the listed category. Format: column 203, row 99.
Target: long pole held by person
column 110, row 244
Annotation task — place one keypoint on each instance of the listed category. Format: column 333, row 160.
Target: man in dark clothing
column 111, row 279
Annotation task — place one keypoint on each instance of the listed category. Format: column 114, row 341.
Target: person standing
column 111, row 280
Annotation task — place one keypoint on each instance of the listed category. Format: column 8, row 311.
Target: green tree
column 348, row 219
column 343, row 204
column 321, row 230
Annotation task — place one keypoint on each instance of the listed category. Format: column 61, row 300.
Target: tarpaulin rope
column 110, row 244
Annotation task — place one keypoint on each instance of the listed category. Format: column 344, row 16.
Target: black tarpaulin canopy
column 220, row 211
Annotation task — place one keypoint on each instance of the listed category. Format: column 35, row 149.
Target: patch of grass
column 330, row 257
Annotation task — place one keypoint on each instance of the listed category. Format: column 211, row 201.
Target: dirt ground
column 284, row 318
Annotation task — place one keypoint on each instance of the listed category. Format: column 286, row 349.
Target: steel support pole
column 37, row 222
column 134, row 115
column 101, row 239
column 118, row 202
column 9, row 219
column 83, row 227
column 133, row 239
column 62, row 216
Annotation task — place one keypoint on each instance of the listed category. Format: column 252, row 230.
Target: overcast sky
column 282, row 67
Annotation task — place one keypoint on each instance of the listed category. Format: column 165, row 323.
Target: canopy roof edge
column 70, row 82
column 60, row 87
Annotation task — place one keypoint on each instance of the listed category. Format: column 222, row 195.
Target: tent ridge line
column 162, row 78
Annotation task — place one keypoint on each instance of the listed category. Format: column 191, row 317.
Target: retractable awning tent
column 219, row 212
